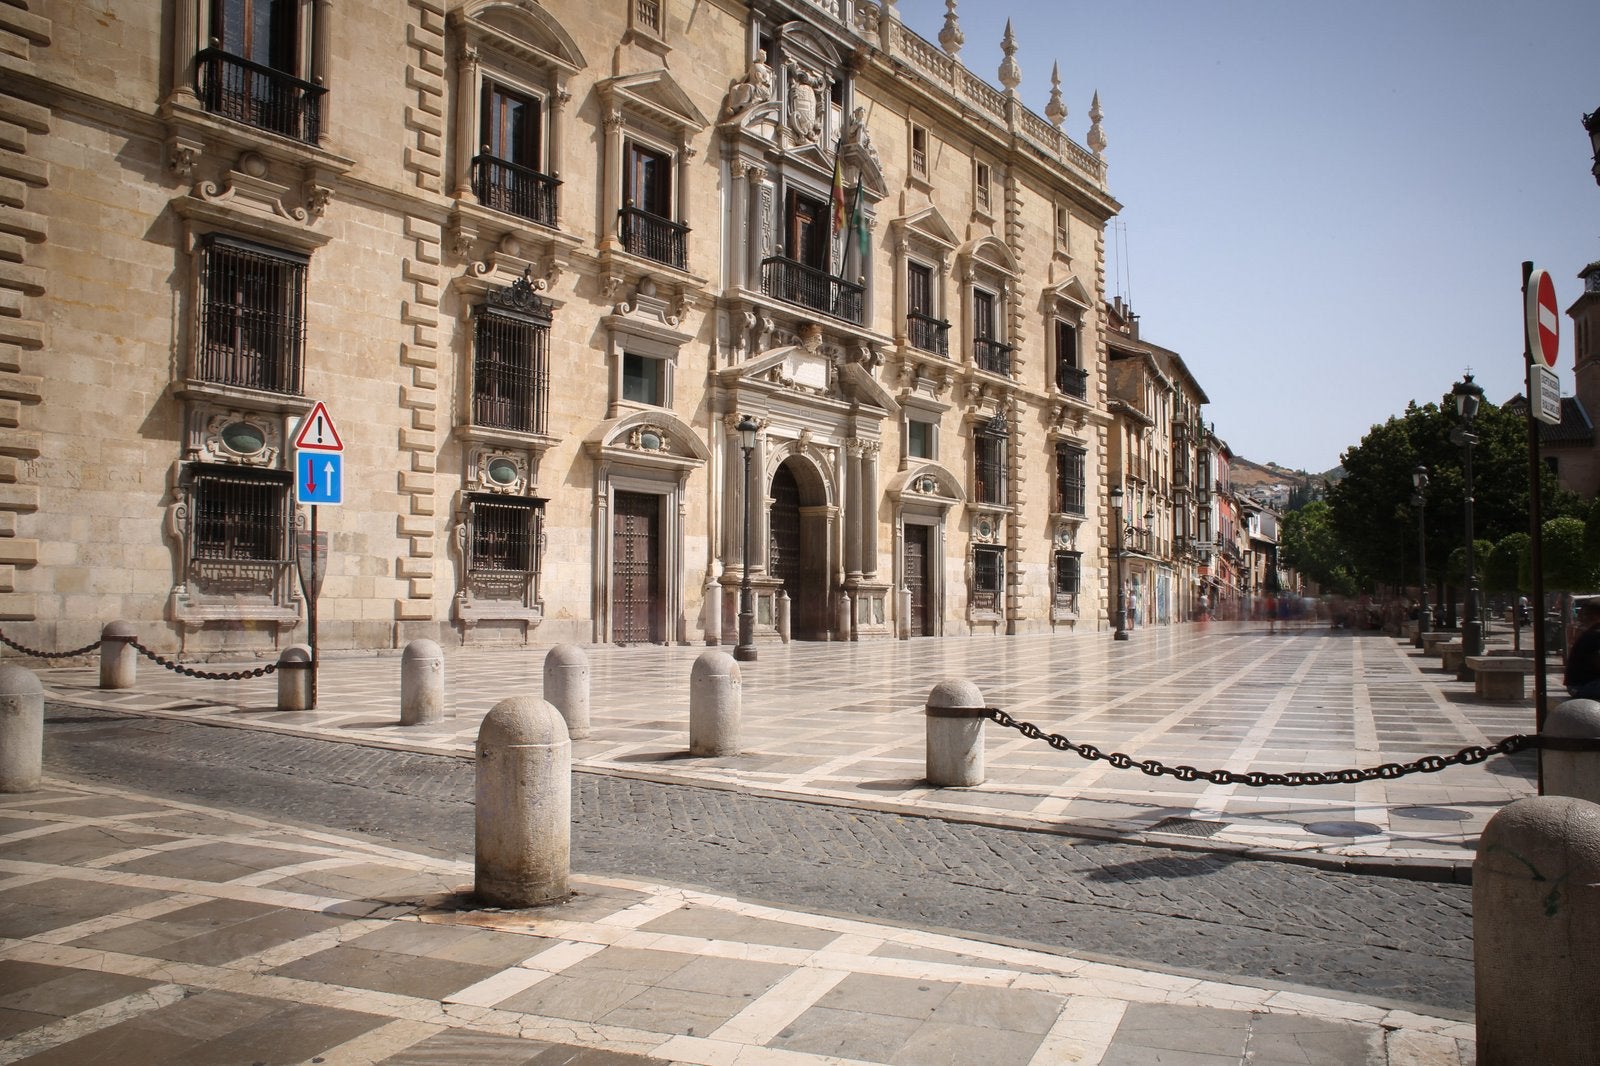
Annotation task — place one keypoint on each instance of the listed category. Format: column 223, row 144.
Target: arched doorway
column 798, row 553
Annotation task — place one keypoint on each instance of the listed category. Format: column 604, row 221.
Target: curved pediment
column 927, row 482
column 649, row 438
column 992, row 252
column 526, row 29
column 803, row 38
column 657, row 95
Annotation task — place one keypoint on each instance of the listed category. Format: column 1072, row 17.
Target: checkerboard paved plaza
column 843, row 723
column 142, row 931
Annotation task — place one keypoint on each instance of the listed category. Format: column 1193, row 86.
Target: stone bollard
column 955, row 734
column 294, row 678
column 119, row 661
column 716, row 704
column 783, row 616
column 421, row 683
column 846, row 619
column 566, row 686
column 1535, row 924
column 523, row 845
column 902, row 612
column 1573, row 773
column 21, row 729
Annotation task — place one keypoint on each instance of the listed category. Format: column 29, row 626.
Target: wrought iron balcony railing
column 258, row 96
column 1069, row 499
column 992, row 355
column 517, row 190
column 928, row 333
column 653, row 237
column 797, row 283
column 1072, row 380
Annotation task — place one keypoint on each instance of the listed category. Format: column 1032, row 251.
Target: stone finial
column 1055, row 110
column 951, row 38
column 1010, row 70
column 1097, row 136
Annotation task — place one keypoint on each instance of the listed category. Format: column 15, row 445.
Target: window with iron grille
column 1070, row 480
column 1068, row 570
column 252, row 316
column 988, row 576
column 989, row 463
column 238, row 531
column 1071, row 378
column 503, row 546
column 510, row 371
column 507, row 173
column 924, row 328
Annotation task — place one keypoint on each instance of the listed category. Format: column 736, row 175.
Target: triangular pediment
column 657, row 95
column 931, row 226
column 1072, row 291
column 794, row 367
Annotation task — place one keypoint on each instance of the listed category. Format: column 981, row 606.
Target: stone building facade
column 539, row 260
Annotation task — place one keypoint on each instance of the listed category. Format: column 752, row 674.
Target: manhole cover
column 1432, row 814
column 1343, row 829
column 1189, row 827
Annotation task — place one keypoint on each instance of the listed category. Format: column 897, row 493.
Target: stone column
column 869, row 509
column 523, row 843
column 422, row 683
column 716, row 703
column 566, row 687
column 852, row 524
column 466, row 139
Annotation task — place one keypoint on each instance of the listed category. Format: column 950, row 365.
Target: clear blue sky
column 1325, row 206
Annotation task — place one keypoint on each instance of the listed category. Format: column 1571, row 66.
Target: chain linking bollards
column 21, row 729
column 294, row 678
column 421, row 683
column 119, row 659
column 716, row 704
column 566, row 686
column 523, row 845
column 1535, row 927
column 955, row 713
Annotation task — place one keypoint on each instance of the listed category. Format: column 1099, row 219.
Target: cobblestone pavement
column 1205, row 913
column 843, row 723
column 141, row 930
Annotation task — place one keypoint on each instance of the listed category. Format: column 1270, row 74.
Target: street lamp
column 1419, row 478
column 1591, row 123
column 745, row 650
column 1468, row 396
column 1122, row 605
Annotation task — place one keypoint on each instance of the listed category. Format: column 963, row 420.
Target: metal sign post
column 1543, row 329
column 318, row 481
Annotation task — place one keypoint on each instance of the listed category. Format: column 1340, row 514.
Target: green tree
column 1309, row 544
column 1506, row 569
column 1567, row 566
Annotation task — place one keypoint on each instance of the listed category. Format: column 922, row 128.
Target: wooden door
column 917, row 578
column 636, row 569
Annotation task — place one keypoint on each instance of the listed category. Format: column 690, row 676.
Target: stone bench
column 1499, row 677
column 1450, row 653
column 1432, row 639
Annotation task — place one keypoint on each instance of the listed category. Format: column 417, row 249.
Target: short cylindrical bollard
column 716, row 704
column 1573, row 773
column 1535, row 924
column 566, row 686
column 783, row 616
column 955, row 735
column 846, row 630
column 294, row 678
column 119, row 661
column 421, row 683
column 21, row 729
column 902, row 612
column 523, row 845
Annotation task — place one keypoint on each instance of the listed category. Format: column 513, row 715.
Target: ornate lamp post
column 1468, row 396
column 1122, row 604
column 1591, row 123
column 1419, row 478
column 745, row 650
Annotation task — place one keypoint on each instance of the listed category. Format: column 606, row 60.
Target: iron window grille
column 1070, row 480
column 1068, row 573
column 238, row 530
column 988, row 570
column 505, row 547
column 651, row 236
column 511, row 363
column 989, row 462
column 258, row 95
column 252, row 316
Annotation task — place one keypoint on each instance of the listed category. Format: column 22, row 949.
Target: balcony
column 653, row 237
column 1070, row 498
column 517, row 190
column 928, row 333
column 258, row 96
column 1072, row 380
column 796, row 283
column 992, row 356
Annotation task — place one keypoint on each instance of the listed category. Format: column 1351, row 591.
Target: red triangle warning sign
column 317, row 432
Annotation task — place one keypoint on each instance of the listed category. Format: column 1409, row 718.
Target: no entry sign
column 1544, row 321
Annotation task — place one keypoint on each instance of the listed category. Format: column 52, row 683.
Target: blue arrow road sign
column 319, row 478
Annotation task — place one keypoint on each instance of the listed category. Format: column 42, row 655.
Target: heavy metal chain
column 1428, row 764
column 189, row 671
column 37, row 654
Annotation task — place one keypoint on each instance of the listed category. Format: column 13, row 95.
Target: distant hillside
column 1247, row 475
